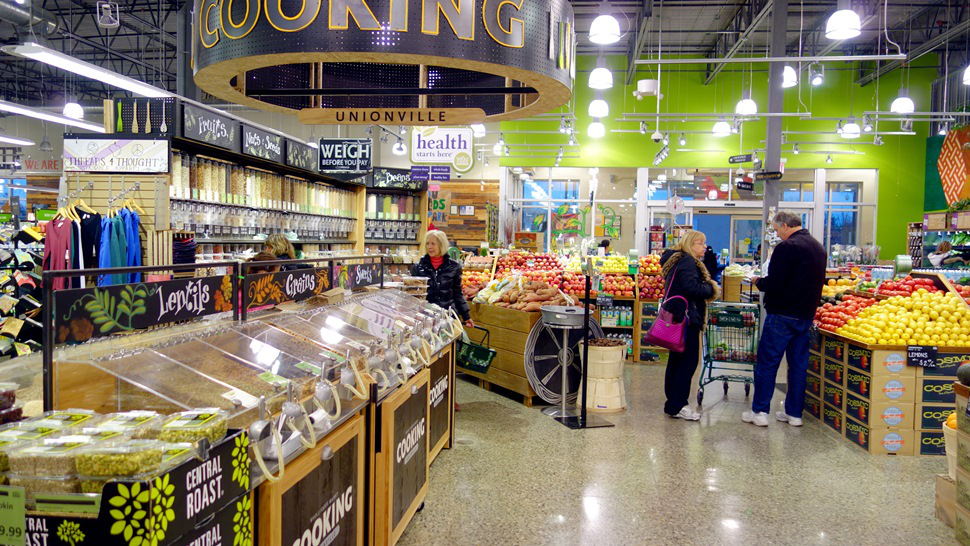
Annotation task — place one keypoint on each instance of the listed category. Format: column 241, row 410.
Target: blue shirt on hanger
column 104, row 250
column 132, row 228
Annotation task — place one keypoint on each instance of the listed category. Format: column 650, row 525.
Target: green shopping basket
column 475, row 357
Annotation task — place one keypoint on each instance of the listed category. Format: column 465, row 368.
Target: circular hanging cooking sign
column 400, row 62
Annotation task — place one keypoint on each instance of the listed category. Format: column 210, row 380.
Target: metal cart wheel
column 700, row 397
column 747, row 389
column 725, row 388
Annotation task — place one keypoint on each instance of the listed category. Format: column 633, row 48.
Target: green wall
column 934, row 198
column 901, row 160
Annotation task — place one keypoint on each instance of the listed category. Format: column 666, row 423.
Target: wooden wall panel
column 463, row 230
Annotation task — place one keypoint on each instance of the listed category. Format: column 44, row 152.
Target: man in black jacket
column 796, row 273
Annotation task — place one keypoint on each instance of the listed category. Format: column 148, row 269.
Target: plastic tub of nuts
column 44, row 484
column 194, row 425
column 68, row 418
column 7, row 445
column 28, row 430
column 54, row 457
column 120, row 458
column 172, row 455
column 140, row 424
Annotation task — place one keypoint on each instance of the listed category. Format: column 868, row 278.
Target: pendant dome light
column 903, row 104
column 601, row 78
column 605, row 29
column 851, row 130
column 789, row 78
column 73, row 110
column 844, row 23
column 721, row 129
column 596, row 129
column 599, row 108
column 746, row 106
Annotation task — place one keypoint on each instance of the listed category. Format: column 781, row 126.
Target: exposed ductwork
column 28, row 16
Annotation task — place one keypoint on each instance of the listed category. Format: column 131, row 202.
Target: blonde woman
column 282, row 248
column 685, row 275
column 444, row 276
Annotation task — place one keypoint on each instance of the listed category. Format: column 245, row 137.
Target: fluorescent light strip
column 14, row 108
column 17, row 141
column 37, row 52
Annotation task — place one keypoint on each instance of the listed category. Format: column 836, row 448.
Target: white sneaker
column 785, row 418
column 687, row 414
column 759, row 419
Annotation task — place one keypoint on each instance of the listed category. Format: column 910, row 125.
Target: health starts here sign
column 443, row 146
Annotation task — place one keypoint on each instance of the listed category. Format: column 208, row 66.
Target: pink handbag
column 665, row 331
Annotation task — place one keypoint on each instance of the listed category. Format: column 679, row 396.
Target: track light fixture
column 816, row 74
column 683, row 141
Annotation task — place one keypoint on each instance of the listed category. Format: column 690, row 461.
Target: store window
column 842, row 218
column 797, row 192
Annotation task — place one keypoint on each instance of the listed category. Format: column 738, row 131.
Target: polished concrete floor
column 518, row 477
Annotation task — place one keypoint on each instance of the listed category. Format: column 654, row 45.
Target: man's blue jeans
column 782, row 336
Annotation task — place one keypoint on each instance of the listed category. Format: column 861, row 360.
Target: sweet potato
column 534, row 306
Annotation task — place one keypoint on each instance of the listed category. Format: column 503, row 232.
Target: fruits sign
column 923, row 357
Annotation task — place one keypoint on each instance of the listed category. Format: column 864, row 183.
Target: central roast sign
column 527, row 42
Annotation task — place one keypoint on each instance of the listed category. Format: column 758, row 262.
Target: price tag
column 919, row 355
column 604, row 300
column 12, row 516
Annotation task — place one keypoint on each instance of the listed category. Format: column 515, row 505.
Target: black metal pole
column 589, row 284
column 47, row 339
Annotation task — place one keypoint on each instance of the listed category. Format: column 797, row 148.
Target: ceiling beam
column 957, row 25
column 640, row 38
column 745, row 21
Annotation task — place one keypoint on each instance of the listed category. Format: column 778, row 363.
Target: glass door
column 746, row 234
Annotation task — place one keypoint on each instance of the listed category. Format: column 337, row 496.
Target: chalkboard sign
column 283, row 286
column 410, row 452
column 922, row 356
column 396, row 179
column 210, row 128
column 301, row 156
column 262, row 144
column 325, row 502
column 83, row 313
column 354, row 276
column 604, row 300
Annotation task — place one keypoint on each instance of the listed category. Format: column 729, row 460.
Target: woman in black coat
column 444, row 276
column 685, row 275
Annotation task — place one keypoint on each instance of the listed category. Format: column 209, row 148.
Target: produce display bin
column 510, row 331
column 882, row 403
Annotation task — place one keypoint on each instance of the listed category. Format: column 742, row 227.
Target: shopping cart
column 730, row 345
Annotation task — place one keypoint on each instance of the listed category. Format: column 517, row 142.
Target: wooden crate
column 731, row 289
column 509, row 332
